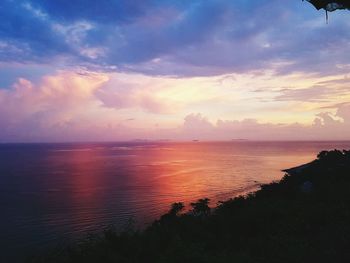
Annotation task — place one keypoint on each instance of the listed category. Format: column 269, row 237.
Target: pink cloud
column 28, row 110
column 70, row 106
column 326, row 126
column 135, row 94
column 135, row 99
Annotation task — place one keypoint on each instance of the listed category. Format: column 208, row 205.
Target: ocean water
column 53, row 193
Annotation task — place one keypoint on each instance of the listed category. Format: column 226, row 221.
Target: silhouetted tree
column 331, row 156
column 176, row 208
column 201, row 207
column 173, row 213
column 330, row 5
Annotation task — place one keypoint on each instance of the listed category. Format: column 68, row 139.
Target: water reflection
column 64, row 190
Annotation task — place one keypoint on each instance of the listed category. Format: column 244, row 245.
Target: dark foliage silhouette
column 201, row 207
column 330, row 5
column 176, row 208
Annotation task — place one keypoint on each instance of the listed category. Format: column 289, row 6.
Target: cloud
column 326, row 126
column 308, row 93
column 119, row 94
column 121, row 11
column 82, row 105
column 93, row 106
column 20, row 40
column 344, row 112
column 182, row 38
column 313, row 94
column 28, row 110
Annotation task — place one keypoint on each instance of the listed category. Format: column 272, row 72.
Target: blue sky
column 199, row 41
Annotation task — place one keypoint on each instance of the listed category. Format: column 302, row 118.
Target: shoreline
column 298, row 169
column 278, row 223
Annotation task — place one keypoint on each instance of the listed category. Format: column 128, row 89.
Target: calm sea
column 52, row 193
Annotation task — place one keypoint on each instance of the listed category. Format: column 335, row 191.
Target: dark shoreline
column 298, row 169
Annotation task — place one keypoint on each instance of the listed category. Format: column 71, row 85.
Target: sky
column 116, row 70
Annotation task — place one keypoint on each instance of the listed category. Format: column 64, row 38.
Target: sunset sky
column 110, row 70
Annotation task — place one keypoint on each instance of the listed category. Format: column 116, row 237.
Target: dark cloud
column 200, row 37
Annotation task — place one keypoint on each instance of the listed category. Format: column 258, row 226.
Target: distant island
column 303, row 218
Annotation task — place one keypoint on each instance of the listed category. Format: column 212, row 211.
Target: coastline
column 298, row 169
column 278, row 223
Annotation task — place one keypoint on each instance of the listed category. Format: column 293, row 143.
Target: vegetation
column 303, row 218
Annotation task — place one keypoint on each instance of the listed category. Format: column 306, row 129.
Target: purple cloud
column 182, row 38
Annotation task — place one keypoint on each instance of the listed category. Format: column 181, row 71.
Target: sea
column 55, row 194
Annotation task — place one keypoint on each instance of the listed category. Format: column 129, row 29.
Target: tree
column 330, row 5
column 201, row 207
column 176, row 208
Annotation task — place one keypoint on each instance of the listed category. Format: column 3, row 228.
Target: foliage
column 176, row 208
column 201, row 207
